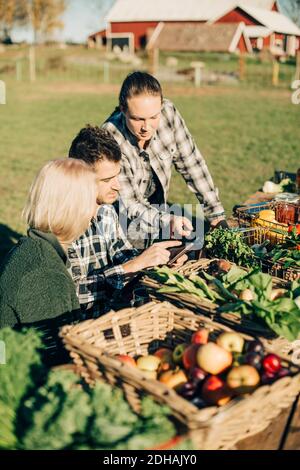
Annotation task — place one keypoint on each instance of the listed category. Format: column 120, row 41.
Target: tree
column 11, row 12
column 45, row 16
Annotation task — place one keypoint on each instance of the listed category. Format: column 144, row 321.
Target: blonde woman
column 35, row 286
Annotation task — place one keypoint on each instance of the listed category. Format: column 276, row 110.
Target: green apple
column 242, row 379
column 231, row 341
column 178, row 353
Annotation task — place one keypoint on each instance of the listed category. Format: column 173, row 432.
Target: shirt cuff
column 115, row 277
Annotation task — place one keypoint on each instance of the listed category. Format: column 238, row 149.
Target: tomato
column 295, row 228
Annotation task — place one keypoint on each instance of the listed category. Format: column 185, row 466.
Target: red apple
column 213, row 359
column 127, row 359
column 178, row 353
column 243, row 379
column 173, row 378
column 200, row 336
column 189, row 358
column 271, row 363
column 166, row 359
column 215, row 391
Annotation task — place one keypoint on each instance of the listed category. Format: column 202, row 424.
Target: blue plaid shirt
column 96, row 260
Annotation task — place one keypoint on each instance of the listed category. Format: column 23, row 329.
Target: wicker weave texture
column 278, row 345
column 94, row 343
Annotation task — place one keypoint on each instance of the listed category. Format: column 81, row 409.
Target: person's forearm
column 132, row 266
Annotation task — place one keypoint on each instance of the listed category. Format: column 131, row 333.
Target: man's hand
column 155, row 255
column 180, row 227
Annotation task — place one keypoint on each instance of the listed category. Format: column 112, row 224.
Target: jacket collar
column 50, row 238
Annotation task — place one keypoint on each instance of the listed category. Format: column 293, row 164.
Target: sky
column 81, row 18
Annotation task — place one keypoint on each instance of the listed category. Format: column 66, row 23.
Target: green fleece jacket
column 36, row 288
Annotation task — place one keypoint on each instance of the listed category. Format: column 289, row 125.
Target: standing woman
column 35, row 286
column 153, row 136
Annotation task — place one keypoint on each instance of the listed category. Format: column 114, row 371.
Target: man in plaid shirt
column 102, row 261
column 153, row 136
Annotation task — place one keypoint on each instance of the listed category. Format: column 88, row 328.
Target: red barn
column 135, row 18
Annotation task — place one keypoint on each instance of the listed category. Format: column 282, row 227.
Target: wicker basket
column 278, row 345
column 93, row 344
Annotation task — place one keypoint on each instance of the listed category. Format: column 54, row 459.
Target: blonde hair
column 62, row 199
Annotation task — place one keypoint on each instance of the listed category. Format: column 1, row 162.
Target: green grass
column 244, row 135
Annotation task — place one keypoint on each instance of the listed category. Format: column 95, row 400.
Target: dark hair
column 138, row 83
column 93, row 144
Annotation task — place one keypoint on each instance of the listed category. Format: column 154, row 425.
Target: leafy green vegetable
column 57, row 411
column 282, row 315
column 23, row 368
column 288, row 252
column 229, row 244
column 52, row 410
column 176, row 282
column 112, row 420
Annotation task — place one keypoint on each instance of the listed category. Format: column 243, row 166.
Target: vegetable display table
column 284, row 433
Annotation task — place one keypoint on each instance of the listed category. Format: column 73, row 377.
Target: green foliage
column 288, row 252
column 23, row 365
column 113, row 419
column 54, row 411
column 58, row 411
column 281, row 315
column 229, row 244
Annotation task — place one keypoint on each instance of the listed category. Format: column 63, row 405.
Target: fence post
column 153, row 55
column 2, row 92
column 32, row 65
column 198, row 67
column 242, row 67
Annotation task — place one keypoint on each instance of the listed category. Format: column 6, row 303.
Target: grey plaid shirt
column 96, row 259
column 171, row 144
